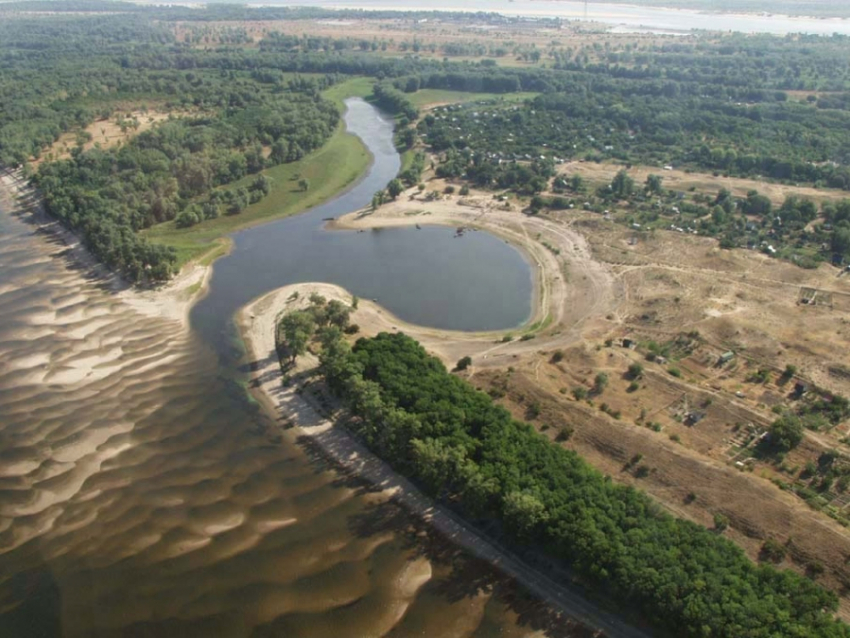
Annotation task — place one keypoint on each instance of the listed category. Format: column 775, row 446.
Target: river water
column 142, row 493
column 624, row 16
column 428, row 276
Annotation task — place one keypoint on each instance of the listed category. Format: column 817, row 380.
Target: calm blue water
column 428, row 276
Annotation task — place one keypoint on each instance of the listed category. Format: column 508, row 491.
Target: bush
column 635, row 371
column 564, row 433
column 772, row 551
column 464, row 363
column 557, row 356
column 720, row 522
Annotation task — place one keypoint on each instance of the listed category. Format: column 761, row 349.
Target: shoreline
column 173, row 300
column 304, row 424
column 558, row 255
column 349, row 222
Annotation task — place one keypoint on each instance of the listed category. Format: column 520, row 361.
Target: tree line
column 464, row 450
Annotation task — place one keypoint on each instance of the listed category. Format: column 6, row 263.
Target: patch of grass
column 329, row 170
column 356, row 87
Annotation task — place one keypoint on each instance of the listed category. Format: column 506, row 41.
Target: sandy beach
column 172, row 300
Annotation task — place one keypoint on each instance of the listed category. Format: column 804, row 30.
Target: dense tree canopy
column 462, row 448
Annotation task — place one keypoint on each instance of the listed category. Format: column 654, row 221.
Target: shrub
column 464, row 363
column 772, row 551
column 564, row 433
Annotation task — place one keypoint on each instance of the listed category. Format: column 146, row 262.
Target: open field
column 596, row 286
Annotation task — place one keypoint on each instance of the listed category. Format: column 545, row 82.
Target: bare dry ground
column 679, row 180
column 109, row 132
column 599, row 283
column 400, row 34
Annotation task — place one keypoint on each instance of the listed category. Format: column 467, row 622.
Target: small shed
column 800, row 389
column 726, row 357
column 629, row 343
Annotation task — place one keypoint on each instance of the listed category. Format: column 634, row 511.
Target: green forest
column 471, row 455
column 720, row 103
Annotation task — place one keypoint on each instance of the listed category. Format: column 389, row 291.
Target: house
column 629, row 343
column 800, row 389
column 692, row 418
column 726, row 357
column 661, row 360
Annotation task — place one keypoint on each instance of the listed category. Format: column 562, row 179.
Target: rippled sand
column 143, row 494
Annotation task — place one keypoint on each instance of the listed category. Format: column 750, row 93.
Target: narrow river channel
column 142, row 493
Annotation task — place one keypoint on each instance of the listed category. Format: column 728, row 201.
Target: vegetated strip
column 463, row 449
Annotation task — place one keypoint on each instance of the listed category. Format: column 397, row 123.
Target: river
column 624, row 17
column 429, row 276
column 143, row 493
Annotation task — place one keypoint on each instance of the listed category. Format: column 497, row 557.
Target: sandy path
column 257, row 321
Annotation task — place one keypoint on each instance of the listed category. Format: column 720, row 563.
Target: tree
column 297, row 329
column 337, row 314
column 600, row 382
column 841, row 240
column 622, row 185
column 304, row 184
column 786, row 433
column 395, row 188
column 377, row 200
column 635, row 371
column 577, row 183
column 653, row 184
column 524, row 514
column 464, row 363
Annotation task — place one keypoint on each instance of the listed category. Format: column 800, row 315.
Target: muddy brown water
column 142, row 493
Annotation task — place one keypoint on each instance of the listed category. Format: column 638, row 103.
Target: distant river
column 624, row 16
column 143, row 494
